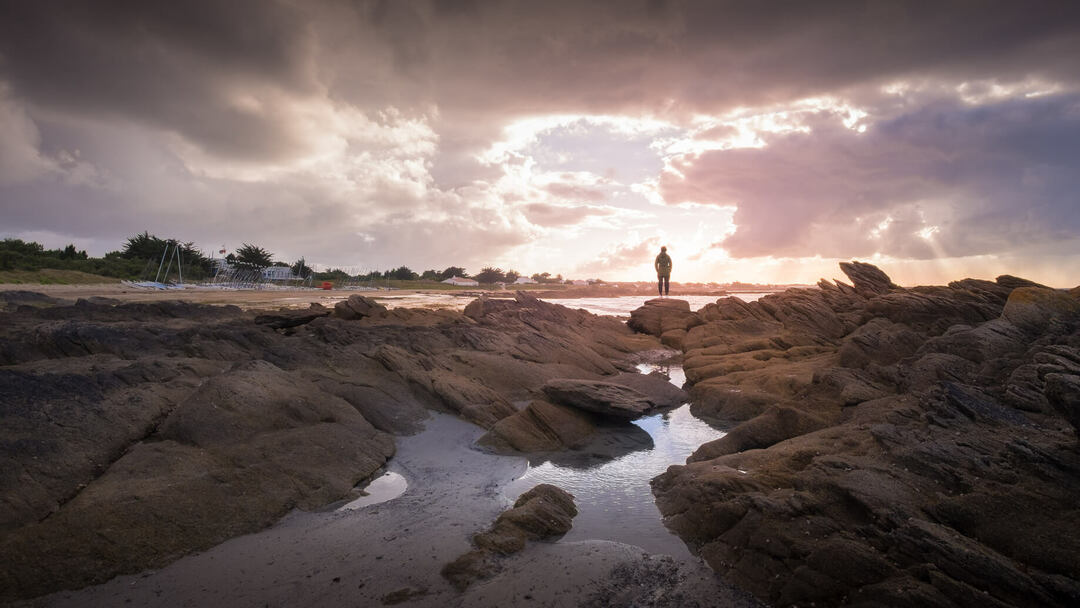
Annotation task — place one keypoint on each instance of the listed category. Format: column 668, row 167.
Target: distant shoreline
column 275, row 297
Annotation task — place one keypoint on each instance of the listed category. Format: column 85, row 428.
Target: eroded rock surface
column 131, row 434
column 545, row 511
column 358, row 307
column 891, row 446
column 599, row 397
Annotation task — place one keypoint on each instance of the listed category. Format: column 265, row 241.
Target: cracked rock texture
column 891, row 446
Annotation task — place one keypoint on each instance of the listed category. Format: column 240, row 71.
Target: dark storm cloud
column 703, row 56
column 173, row 65
column 178, row 65
column 984, row 178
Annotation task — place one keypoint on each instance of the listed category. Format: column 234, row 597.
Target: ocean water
column 620, row 306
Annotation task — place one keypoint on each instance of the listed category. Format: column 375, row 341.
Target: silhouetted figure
column 663, row 272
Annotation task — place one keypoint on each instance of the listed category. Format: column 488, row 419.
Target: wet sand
column 244, row 298
column 392, row 552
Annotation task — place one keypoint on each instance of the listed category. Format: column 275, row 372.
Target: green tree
column 147, row 246
column 453, row 271
column 143, row 246
column 401, row 273
column 490, row 275
column 22, row 247
column 69, row 253
column 334, row 274
column 429, row 275
column 545, row 277
column 251, row 255
column 301, row 269
column 512, row 275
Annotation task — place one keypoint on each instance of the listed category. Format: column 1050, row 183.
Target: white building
column 461, row 281
column 524, row 281
column 278, row 273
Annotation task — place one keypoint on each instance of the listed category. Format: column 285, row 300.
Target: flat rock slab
column 656, row 387
column 660, row 315
column 599, row 397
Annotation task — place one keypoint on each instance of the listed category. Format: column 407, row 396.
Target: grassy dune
column 51, row 276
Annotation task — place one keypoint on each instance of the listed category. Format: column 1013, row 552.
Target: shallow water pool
column 614, row 499
column 387, row 486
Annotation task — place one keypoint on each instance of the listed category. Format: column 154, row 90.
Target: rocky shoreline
column 887, row 445
column 902, row 447
column 136, row 433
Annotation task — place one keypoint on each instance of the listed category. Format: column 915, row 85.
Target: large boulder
column 541, row 427
column 543, row 512
column 1032, row 309
column 656, row 387
column 661, row 315
column 599, row 397
column 292, row 317
column 357, row 307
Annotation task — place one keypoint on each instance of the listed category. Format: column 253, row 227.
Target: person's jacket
column 663, row 263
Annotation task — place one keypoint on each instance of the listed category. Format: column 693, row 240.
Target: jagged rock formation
column 545, row 511
column 896, row 446
column 131, row 434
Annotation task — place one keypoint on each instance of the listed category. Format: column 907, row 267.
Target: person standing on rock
column 663, row 272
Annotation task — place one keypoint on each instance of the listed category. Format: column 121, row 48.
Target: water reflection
column 620, row 306
column 613, row 497
column 609, row 442
column 386, row 487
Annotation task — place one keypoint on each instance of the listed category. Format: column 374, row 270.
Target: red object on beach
column 327, row 285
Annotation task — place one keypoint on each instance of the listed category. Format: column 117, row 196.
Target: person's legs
column 660, row 284
column 667, row 284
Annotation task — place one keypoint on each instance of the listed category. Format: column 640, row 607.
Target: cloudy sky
column 759, row 141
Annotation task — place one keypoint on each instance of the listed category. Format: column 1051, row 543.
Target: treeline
column 141, row 255
column 127, row 263
column 487, row 275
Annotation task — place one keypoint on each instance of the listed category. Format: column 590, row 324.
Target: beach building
column 278, row 273
column 524, row 281
column 461, row 281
